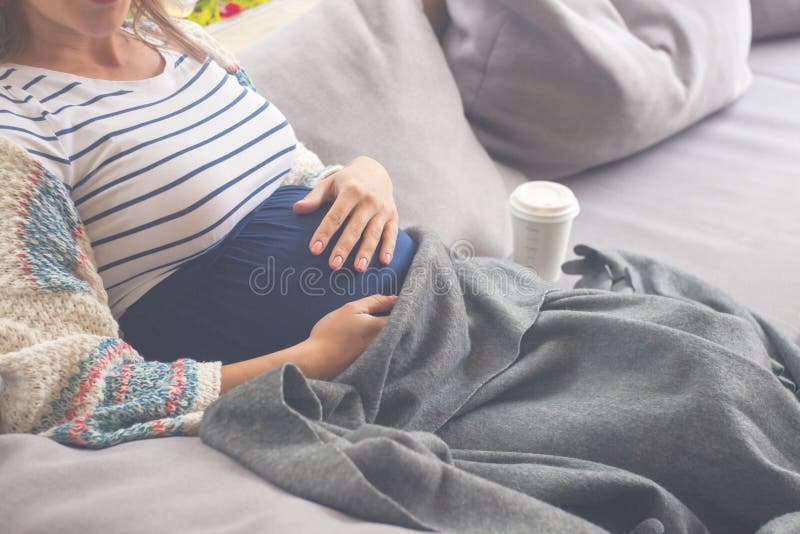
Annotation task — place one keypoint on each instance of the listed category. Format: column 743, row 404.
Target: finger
column 374, row 304
column 378, row 323
column 389, row 241
column 359, row 220
column 369, row 241
column 330, row 224
column 315, row 198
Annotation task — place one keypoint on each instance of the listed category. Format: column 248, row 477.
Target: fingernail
column 317, row 247
column 337, row 262
column 361, row 264
column 387, row 258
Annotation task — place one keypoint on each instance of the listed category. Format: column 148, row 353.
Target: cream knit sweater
column 64, row 372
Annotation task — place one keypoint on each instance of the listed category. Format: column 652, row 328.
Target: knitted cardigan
column 64, row 371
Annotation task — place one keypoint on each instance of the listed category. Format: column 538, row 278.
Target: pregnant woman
column 189, row 185
column 143, row 182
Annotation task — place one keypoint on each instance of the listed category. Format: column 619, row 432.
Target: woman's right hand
column 341, row 336
column 335, row 342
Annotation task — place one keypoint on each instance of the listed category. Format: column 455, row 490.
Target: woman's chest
column 114, row 134
column 193, row 145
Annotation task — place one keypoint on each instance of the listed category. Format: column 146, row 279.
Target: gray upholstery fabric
column 720, row 201
column 168, row 485
column 777, row 59
column 364, row 77
column 554, row 87
column 773, row 18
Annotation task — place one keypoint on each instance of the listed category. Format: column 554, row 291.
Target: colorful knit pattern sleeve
column 64, row 373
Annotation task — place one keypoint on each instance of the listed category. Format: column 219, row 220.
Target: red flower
column 229, row 9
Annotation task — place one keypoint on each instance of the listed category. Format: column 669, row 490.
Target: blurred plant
column 209, row 11
column 229, row 9
column 205, row 12
column 247, row 4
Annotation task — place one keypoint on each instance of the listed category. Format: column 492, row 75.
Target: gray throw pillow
column 557, row 86
column 367, row 77
column 773, row 18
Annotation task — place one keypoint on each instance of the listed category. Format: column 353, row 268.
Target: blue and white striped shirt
column 159, row 169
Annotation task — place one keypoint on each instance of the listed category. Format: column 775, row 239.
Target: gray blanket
column 494, row 402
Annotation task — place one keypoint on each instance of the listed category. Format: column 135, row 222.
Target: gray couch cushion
column 364, row 77
column 719, row 200
column 775, row 17
column 156, row 485
column 557, row 86
column 777, row 59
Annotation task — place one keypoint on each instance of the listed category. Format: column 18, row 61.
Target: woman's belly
column 259, row 291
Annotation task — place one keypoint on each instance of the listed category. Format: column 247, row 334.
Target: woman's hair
column 13, row 27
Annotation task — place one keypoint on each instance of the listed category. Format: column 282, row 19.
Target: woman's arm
column 64, row 372
column 335, row 342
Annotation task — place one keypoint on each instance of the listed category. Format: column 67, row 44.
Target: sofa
column 718, row 199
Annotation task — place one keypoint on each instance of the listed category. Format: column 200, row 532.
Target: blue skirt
column 258, row 291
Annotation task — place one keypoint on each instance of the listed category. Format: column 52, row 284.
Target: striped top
column 159, row 169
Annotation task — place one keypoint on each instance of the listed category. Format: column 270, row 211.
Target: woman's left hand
column 363, row 192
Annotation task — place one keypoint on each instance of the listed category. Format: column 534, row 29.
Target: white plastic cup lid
column 544, row 201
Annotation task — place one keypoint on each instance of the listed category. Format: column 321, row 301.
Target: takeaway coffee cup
column 542, row 215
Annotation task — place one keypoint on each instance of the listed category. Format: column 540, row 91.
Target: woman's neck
column 54, row 47
column 107, row 52
column 113, row 57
